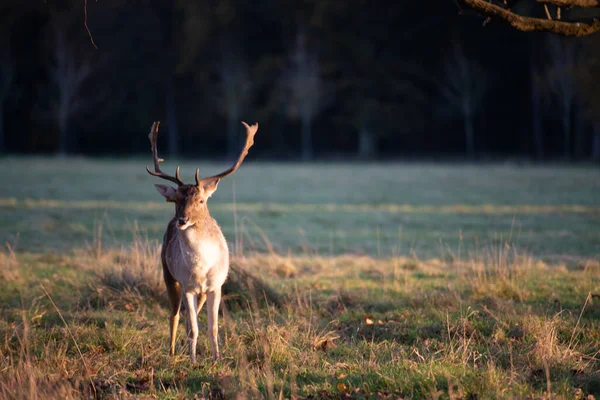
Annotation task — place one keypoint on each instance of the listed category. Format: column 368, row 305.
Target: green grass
column 328, row 209
column 358, row 325
column 399, row 281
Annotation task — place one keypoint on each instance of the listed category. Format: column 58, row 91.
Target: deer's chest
column 197, row 263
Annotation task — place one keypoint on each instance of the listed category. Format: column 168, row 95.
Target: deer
column 194, row 254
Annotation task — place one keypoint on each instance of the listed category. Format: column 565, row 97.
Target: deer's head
column 190, row 199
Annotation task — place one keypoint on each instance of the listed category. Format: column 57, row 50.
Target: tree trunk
column 469, row 135
column 63, row 136
column 1, row 130
column 537, row 119
column 173, row 135
column 307, row 153
column 566, row 120
column 596, row 143
column 366, row 144
column 578, row 133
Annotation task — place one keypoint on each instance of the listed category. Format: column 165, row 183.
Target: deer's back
column 198, row 257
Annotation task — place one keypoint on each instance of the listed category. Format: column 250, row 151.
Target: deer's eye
column 201, row 201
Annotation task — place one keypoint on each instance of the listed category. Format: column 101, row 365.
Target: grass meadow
column 396, row 280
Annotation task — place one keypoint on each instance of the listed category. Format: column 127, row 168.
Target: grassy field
column 397, row 280
column 425, row 210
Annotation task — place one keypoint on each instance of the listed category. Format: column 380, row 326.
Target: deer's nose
column 183, row 220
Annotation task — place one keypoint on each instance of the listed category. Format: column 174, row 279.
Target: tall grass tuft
column 131, row 274
column 23, row 375
column 243, row 288
column 9, row 270
column 134, row 274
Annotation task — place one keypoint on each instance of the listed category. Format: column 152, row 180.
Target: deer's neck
column 201, row 245
column 193, row 253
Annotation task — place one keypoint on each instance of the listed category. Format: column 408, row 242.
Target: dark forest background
column 324, row 79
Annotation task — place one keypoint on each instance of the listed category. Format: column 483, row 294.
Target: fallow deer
column 195, row 256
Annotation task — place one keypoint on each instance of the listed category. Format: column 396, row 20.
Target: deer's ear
column 166, row 191
column 210, row 188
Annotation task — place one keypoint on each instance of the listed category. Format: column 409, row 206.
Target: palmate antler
column 152, row 136
column 250, row 132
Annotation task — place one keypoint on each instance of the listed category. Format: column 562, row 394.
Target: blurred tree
column 560, row 79
column 236, row 89
column 366, row 82
column 305, row 92
column 586, row 73
column 168, row 24
column 379, row 92
column 68, row 75
column 463, row 90
column 378, row 66
column 570, row 80
column 536, row 105
column 11, row 12
column 209, row 54
column 596, row 142
column 553, row 21
column 194, row 32
column 7, row 73
column 69, row 67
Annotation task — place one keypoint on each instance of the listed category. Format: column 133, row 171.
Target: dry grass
column 345, row 316
column 8, row 265
column 347, row 326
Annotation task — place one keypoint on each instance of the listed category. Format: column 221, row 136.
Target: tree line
column 323, row 78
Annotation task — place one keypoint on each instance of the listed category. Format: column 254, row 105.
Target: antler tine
column 197, row 176
column 250, row 132
column 152, row 136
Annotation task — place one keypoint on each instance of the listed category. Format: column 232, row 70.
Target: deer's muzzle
column 183, row 223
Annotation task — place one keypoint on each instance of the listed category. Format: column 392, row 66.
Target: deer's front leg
column 213, row 302
column 192, row 322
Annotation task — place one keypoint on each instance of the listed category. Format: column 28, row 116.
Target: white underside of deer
column 199, row 262
column 198, row 258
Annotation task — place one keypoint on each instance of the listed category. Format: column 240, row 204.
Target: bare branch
column 530, row 24
column 547, row 12
column 86, row 25
column 572, row 3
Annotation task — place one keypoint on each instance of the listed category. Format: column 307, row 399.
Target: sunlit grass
column 494, row 326
column 394, row 280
